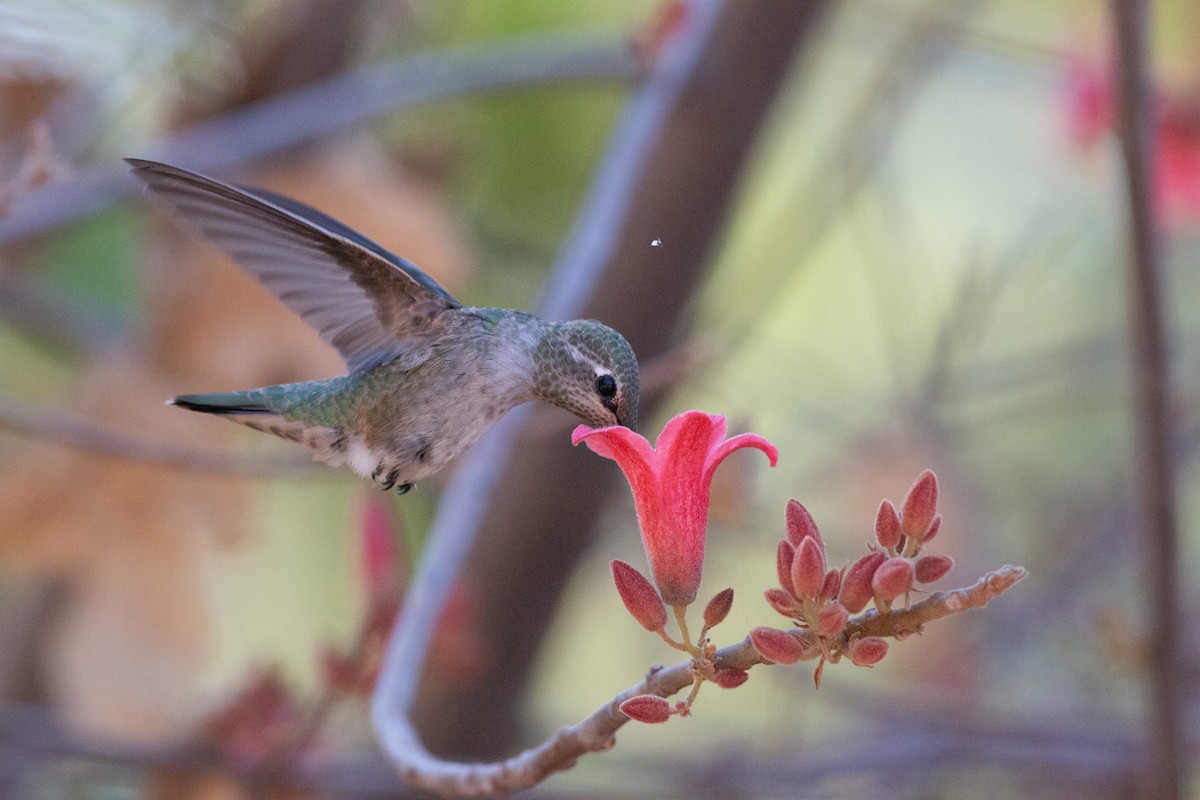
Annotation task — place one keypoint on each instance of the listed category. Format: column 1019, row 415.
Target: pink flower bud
column 808, row 568
column 718, row 608
column 730, row 678
column 783, row 602
column 832, row 619
column 887, row 525
column 920, row 506
column 833, row 582
column 868, row 651
column 800, row 524
column 647, row 708
column 639, row 597
column 931, row 568
column 776, row 645
column 934, row 527
column 893, row 578
column 784, row 555
column 856, row 589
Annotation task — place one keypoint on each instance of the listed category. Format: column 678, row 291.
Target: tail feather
column 229, row 403
column 261, row 410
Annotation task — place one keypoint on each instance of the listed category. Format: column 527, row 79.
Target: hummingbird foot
column 387, row 482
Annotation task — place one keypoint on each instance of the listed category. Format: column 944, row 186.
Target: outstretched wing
column 370, row 304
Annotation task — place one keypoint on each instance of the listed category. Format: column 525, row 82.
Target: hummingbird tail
column 259, row 409
column 229, row 403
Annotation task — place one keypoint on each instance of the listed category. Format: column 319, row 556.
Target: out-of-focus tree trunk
column 544, row 514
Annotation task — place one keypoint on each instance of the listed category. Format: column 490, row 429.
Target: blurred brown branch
column 67, row 325
column 330, row 106
column 1154, row 434
column 597, row 732
column 1075, row 757
column 72, row 431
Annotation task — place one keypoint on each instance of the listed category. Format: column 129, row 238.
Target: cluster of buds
column 819, row 600
column 643, row 603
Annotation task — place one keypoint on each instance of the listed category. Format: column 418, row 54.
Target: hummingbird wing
column 370, row 304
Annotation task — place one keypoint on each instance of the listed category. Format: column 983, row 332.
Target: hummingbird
column 426, row 375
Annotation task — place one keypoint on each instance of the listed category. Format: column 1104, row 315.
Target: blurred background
column 886, row 235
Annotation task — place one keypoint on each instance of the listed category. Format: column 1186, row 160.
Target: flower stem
column 680, row 614
column 662, row 634
column 697, row 682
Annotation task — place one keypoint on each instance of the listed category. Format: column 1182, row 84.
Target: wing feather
column 370, row 304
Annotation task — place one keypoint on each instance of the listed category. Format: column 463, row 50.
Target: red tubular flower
column 670, row 484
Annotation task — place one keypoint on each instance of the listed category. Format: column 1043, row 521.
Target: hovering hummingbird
column 427, row 375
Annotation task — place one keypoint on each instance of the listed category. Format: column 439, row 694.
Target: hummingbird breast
column 407, row 424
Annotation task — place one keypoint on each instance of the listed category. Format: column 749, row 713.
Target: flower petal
column 720, row 451
column 627, row 448
column 690, row 425
column 683, row 449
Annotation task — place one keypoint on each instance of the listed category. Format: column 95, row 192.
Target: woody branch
column 596, row 732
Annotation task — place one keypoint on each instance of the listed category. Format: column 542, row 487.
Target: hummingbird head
column 590, row 370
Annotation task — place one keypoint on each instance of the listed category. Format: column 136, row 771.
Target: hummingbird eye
column 606, row 385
